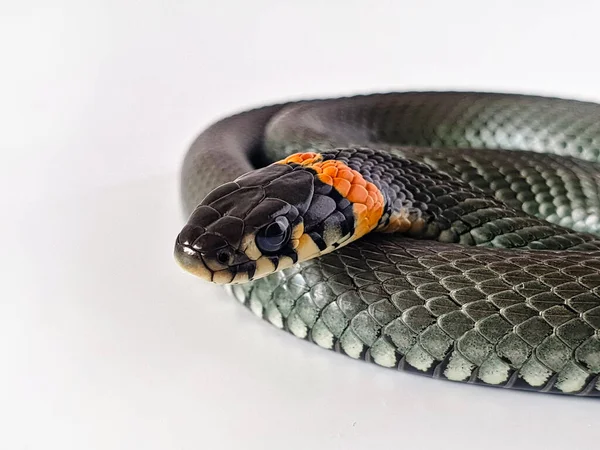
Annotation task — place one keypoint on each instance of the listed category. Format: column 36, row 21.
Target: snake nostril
column 224, row 256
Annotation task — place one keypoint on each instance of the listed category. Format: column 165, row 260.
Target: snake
column 448, row 234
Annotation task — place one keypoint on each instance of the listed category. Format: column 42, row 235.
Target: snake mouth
column 192, row 261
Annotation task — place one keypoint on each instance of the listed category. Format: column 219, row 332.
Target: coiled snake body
column 480, row 260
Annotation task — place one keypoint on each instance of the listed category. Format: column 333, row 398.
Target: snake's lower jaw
column 191, row 261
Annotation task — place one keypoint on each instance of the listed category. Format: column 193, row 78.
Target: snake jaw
column 194, row 262
column 210, row 255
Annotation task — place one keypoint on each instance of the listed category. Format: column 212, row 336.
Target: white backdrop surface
column 104, row 343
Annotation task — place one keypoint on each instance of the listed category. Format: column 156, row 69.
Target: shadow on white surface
column 110, row 345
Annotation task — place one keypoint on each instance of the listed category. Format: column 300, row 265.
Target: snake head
column 247, row 228
column 267, row 220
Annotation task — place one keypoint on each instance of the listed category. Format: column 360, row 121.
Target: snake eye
column 274, row 236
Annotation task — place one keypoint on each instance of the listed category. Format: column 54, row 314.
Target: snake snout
column 188, row 255
column 209, row 255
column 189, row 234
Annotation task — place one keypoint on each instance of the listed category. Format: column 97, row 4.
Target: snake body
column 482, row 264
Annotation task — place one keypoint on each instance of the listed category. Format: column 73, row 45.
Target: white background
column 104, row 343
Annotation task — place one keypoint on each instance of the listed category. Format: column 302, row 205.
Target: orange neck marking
column 304, row 159
column 367, row 200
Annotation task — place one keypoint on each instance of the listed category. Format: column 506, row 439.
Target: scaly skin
column 496, row 289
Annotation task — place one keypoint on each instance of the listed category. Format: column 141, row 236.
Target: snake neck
column 422, row 202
